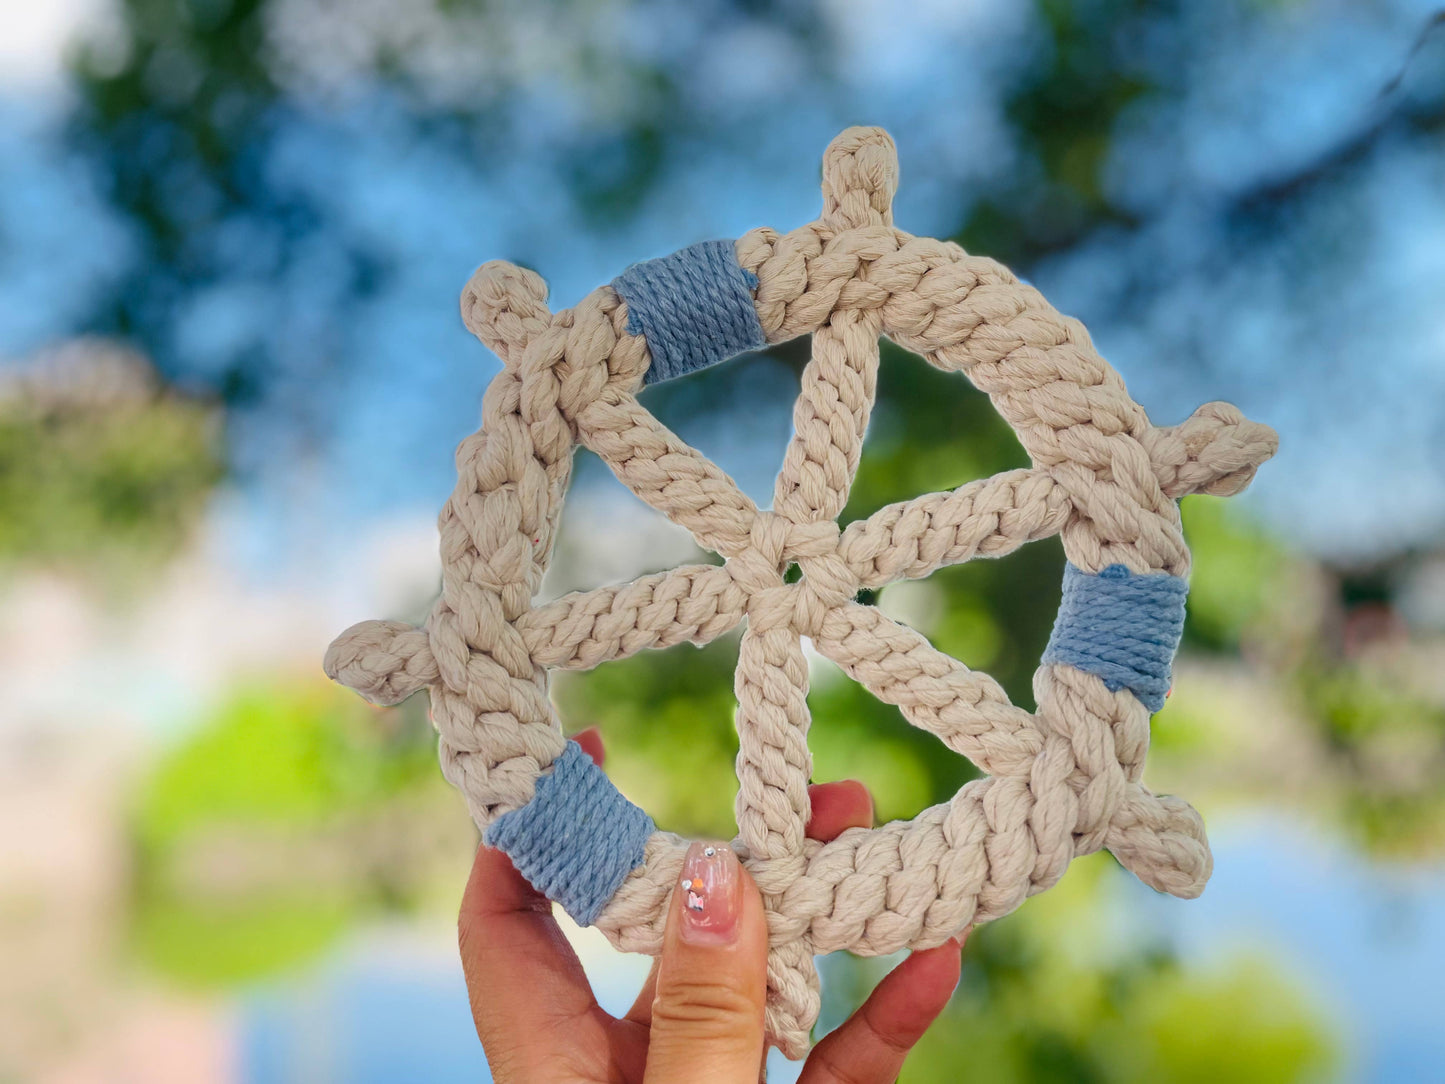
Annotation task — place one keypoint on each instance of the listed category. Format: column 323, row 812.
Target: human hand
column 699, row 1017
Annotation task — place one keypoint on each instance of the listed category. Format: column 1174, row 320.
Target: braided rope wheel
column 1060, row 782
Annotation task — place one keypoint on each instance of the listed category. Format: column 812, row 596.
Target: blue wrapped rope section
column 695, row 308
column 1123, row 627
column 577, row 839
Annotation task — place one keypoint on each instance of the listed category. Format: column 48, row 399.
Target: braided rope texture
column 1060, row 782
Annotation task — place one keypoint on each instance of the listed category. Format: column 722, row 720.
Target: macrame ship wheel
column 1060, row 782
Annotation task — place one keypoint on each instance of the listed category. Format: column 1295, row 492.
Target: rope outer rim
column 572, row 378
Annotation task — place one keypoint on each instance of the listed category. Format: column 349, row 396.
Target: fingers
column 505, row 929
column 591, row 742
column 872, row 1043
column 641, row 1011
column 707, row 1016
column 838, row 807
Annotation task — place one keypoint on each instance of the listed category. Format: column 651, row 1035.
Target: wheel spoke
column 676, row 479
column 988, row 518
column 968, row 711
column 830, row 416
column 696, row 603
column 1067, row 406
column 774, row 763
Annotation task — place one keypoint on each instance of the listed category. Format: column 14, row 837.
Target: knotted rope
column 1061, row 782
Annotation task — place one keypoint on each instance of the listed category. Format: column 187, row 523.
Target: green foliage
column 1355, row 708
column 1239, row 573
column 855, row 736
column 257, row 839
column 219, row 943
column 1064, row 109
column 1053, row 994
column 1146, row 1024
column 292, row 754
column 1386, row 733
column 667, row 720
column 1242, row 1025
column 101, row 479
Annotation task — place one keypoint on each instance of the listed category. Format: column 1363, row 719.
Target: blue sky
column 1326, row 324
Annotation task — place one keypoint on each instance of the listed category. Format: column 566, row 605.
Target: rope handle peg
column 1160, row 839
column 1096, row 737
column 384, row 661
column 1216, row 450
column 860, row 176
column 506, row 307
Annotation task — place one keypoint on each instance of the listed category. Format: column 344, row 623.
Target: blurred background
column 232, row 374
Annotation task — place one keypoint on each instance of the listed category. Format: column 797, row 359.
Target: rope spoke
column 694, row 603
column 968, row 711
column 671, row 476
column 830, row 417
column 774, row 763
column 988, row 518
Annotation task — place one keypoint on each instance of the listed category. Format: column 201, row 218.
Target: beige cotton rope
column 1060, row 782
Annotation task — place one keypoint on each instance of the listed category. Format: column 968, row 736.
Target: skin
column 699, row 1016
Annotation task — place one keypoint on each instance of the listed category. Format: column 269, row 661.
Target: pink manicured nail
column 711, row 894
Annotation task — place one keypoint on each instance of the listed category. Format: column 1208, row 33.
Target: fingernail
column 711, row 892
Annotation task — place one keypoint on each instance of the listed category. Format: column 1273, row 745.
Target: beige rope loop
column 385, row 661
column 860, row 175
column 1062, row 781
column 506, row 307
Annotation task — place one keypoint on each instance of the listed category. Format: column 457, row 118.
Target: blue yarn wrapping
column 577, row 839
column 695, row 308
column 1121, row 626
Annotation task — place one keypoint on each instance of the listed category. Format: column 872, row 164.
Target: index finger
column 505, row 929
column 873, row 1043
column 836, row 808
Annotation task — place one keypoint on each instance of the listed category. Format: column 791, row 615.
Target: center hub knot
column 827, row 581
column 760, row 566
column 758, row 570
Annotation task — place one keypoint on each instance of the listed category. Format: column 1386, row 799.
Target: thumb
column 707, row 1018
